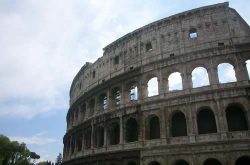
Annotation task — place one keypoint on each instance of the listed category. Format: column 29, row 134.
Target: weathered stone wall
column 107, row 125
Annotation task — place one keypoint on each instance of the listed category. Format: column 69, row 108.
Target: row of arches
column 199, row 77
column 132, row 91
column 236, row 120
column 206, row 123
column 243, row 160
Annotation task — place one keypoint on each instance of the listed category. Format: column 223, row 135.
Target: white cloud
column 37, row 139
column 43, row 45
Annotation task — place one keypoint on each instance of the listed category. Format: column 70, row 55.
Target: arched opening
column 133, row 93
column 154, row 128
column 154, row 163
column 82, row 111
column 131, row 163
column 153, row 87
column 175, row 81
column 79, row 143
column 243, row 160
column 76, row 115
column 212, row 161
column 206, row 121
column 200, row 77
column 131, row 130
column 114, row 134
column 193, row 33
column 181, row 162
column 149, row 46
column 179, row 125
column 87, row 138
column 91, row 107
column 102, row 101
column 248, row 68
column 226, row 73
column 73, row 145
column 116, row 96
column 99, row 136
column 236, row 119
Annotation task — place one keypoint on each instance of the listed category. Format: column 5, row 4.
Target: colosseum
column 173, row 92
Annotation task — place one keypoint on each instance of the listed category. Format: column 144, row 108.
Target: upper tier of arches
column 158, row 82
column 165, row 39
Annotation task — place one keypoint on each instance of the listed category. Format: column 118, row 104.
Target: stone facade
column 112, row 119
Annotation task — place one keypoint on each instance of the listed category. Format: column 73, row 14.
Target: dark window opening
column 116, row 60
column 154, row 163
column 102, row 102
column 87, row 139
column 91, row 107
column 79, row 143
column 212, row 161
column 149, row 47
column 133, row 93
column 131, row 163
column 117, row 98
column 236, row 119
column 179, row 126
column 99, row 137
column 154, row 128
column 181, row 162
column 73, row 146
column 206, row 122
column 83, row 111
column 220, row 43
column 193, row 33
column 93, row 74
column 172, row 55
column 114, row 134
column 131, row 130
column 244, row 160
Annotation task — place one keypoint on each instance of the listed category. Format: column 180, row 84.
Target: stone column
column 241, row 72
column 122, row 94
column 70, row 148
column 186, row 81
column 105, row 136
column 121, row 130
column 213, row 76
column 163, row 124
column 83, row 145
column 161, row 90
column 92, row 135
column 144, row 90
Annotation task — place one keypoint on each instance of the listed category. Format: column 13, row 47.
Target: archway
column 175, row 81
column 200, row 77
column 206, row 121
column 131, row 130
column 154, row 163
column 236, row 119
column 153, row 87
column 154, row 128
column 226, row 73
column 181, row 162
column 243, row 160
column 212, row 161
column 114, row 133
column 179, row 126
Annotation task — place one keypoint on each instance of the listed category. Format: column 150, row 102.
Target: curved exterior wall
column 204, row 125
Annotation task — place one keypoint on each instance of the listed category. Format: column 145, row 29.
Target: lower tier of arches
column 219, row 153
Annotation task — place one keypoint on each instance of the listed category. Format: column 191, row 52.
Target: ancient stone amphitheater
column 158, row 95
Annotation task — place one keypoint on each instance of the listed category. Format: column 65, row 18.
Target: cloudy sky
column 43, row 43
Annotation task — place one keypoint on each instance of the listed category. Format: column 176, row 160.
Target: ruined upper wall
column 163, row 39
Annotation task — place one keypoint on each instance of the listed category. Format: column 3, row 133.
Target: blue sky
column 44, row 43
